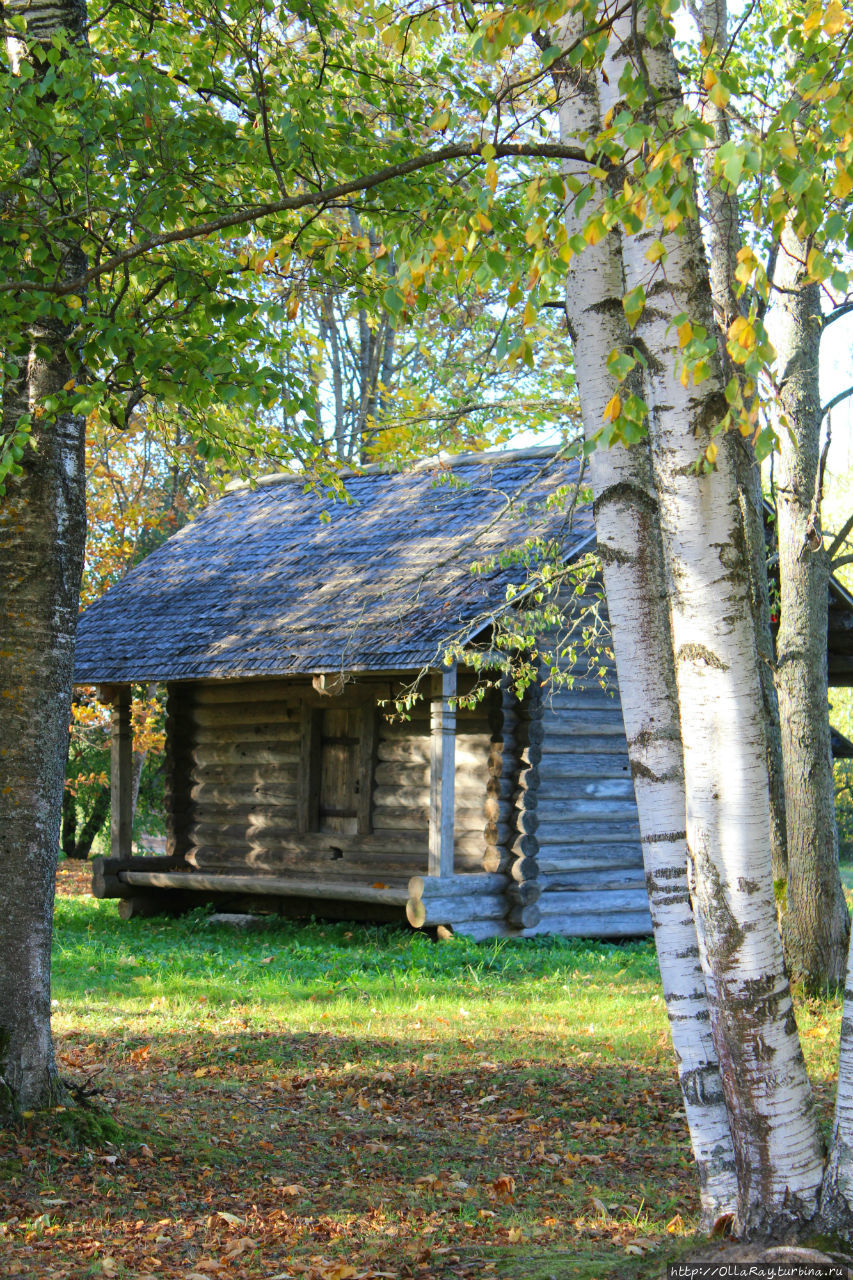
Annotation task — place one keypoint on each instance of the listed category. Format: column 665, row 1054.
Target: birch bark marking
column 724, row 241
column 42, row 527
column 816, row 924
column 629, row 543
column 777, row 1143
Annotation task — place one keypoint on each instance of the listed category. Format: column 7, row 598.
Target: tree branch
column 306, row 200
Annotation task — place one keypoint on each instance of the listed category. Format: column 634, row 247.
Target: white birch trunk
column 777, row 1142
column 722, row 216
column 630, row 547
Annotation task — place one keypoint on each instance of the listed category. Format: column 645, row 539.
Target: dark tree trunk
column 42, row 532
column 816, row 925
column 80, row 848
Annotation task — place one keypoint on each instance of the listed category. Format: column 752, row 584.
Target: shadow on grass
column 324, row 1150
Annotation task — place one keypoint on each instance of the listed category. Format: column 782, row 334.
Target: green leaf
column 633, row 304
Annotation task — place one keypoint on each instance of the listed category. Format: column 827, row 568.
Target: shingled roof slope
column 259, row 585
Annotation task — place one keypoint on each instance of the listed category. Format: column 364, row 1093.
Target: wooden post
column 121, row 775
column 442, row 777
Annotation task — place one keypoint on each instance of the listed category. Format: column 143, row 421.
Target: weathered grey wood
column 442, row 777
column 554, row 767
column 524, row 917
column 410, row 818
column 269, row 731
column 403, row 797
column 594, row 878
column 277, row 753
column 565, row 810
column 430, row 887
column 524, row 893
column 563, row 859
column 428, row 912
column 177, row 764
column 236, row 774
column 494, row 858
column 369, row 738
column 286, row 886
column 277, row 859
column 594, row 900
column 216, row 692
column 270, row 792
column 121, row 774
column 105, row 881
column 308, row 801
column 255, row 714
column 626, row 924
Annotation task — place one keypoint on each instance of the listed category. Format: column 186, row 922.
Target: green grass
column 355, row 1097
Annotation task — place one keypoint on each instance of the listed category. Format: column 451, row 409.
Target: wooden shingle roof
column 260, row 585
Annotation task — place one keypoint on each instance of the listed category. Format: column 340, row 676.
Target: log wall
column 247, row 772
column 578, row 834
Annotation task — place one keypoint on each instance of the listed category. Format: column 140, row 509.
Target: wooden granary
column 284, row 625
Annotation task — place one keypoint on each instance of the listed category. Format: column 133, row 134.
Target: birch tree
column 814, row 915
column 785, row 1181
column 631, row 552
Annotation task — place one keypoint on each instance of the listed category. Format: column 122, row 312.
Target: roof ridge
column 380, row 468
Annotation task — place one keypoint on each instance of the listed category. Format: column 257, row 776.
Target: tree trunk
column 777, row 1143
column 629, row 543
column 42, row 528
column 724, row 240
column 816, row 924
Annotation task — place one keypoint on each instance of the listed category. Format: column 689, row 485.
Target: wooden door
column 340, row 783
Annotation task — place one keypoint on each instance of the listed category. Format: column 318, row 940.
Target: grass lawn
column 333, row 1102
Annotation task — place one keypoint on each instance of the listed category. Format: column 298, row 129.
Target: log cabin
column 286, row 626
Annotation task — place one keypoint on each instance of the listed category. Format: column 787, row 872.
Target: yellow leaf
column 594, row 231
column 709, row 79
column 492, row 175
column 612, row 409
column 655, row 251
column 685, row 333
column 719, row 95
column 835, row 19
column 529, row 316
column 843, row 184
column 711, row 455
column 74, row 302
column 70, row 385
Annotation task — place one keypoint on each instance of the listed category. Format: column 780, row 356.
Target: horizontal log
column 411, row 818
column 561, row 859
column 627, row 924
column 594, row 900
column 482, row 930
column 278, row 753
column 245, row 771
column 430, row 887
column 427, row 913
column 588, row 696
column 524, row 870
column 217, row 793
column 255, row 715
column 215, row 693
column 594, row 878
column 565, row 764
column 260, row 734
column 493, row 859
column 105, row 881
column 523, row 894
column 603, row 724
column 276, row 858
column 496, row 809
column 524, row 916
column 564, row 810
column 393, row 797
column 286, row 886
column 583, row 830
column 559, row 790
